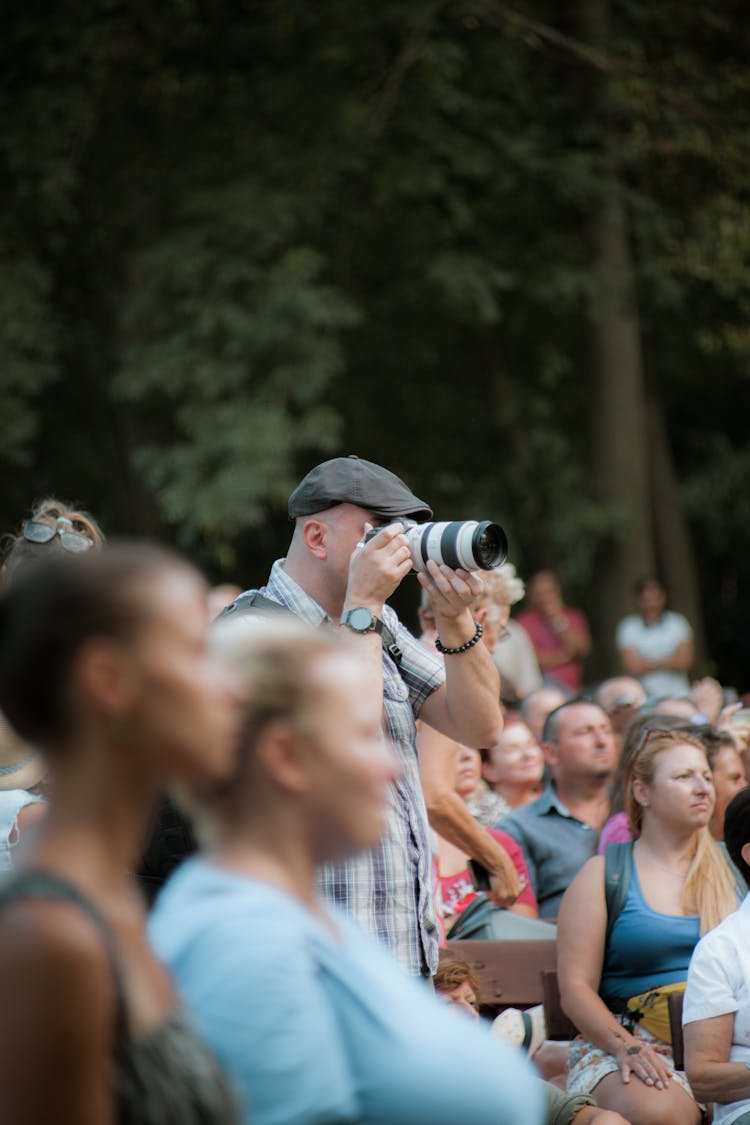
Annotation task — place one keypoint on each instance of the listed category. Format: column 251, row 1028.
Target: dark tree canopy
column 240, row 237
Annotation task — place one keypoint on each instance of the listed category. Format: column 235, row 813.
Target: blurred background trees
column 502, row 249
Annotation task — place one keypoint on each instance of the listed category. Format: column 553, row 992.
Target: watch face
column 360, row 619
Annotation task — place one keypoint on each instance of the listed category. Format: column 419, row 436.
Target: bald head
column 620, row 691
column 620, row 697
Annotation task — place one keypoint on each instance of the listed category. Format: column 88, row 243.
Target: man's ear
column 745, row 853
column 551, row 755
column 480, row 615
column 314, row 534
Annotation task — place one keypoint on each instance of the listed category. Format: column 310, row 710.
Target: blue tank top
column 646, row 949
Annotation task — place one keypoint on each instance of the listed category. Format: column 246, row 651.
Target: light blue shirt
column 314, row 1029
column 387, row 889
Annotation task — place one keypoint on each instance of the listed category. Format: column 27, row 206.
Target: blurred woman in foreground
column 312, row 1018
column 103, row 664
column 617, row 966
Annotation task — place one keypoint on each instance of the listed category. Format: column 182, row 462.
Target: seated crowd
column 352, row 794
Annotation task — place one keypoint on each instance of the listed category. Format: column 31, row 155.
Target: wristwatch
column 360, row 620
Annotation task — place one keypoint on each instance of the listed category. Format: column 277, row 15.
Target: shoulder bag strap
column 617, row 871
column 255, row 602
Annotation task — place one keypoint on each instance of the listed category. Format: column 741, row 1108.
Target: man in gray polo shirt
column 560, row 829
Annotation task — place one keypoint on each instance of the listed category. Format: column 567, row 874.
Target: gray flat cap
column 350, row 480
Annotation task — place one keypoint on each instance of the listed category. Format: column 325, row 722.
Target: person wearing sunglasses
column 53, row 526
column 627, row 928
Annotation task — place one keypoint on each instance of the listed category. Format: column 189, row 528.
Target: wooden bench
column 674, row 1004
column 559, row 1026
column 509, row 972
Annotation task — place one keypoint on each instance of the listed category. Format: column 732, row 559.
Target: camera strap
column 253, row 602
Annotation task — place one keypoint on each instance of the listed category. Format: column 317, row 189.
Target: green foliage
column 28, row 351
column 231, row 337
column 239, row 237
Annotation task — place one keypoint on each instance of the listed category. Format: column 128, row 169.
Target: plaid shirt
column 388, row 890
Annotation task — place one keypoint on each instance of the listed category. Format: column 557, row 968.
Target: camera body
column 459, row 544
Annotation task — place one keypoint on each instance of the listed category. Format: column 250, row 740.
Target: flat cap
column 351, row 480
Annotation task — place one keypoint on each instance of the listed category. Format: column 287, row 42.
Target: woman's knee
column 643, row 1105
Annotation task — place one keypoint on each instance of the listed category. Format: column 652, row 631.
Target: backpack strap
column 391, row 646
column 617, row 872
column 471, row 919
column 255, row 602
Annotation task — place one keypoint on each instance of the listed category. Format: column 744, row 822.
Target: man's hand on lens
column 376, row 568
column 451, row 592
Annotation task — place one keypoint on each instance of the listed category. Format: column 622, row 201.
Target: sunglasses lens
column 34, row 531
column 38, row 532
column 74, row 542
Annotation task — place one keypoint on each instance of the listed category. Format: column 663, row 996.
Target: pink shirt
column 615, row 831
column 457, row 891
column 546, row 642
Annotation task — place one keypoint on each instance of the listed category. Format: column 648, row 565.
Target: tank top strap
column 163, row 1076
column 43, row 885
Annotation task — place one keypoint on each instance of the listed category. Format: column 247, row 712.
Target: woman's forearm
column 593, row 1018
column 721, row 1082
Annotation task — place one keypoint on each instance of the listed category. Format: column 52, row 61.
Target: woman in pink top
column 456, row 887
column 559, row 634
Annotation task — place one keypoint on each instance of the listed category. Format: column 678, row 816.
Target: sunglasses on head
column 685, row 727
column 34, row 531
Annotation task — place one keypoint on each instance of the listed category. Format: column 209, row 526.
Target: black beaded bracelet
column 461, row 648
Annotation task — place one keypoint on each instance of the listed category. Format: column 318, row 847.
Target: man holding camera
column 332, row 576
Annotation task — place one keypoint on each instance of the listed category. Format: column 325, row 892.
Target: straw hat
column 21, row 767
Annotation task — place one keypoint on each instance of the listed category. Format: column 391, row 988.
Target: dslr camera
column 460, row 544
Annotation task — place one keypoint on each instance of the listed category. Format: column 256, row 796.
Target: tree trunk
column 674, row 548
column 618, row 416
column 620, row 446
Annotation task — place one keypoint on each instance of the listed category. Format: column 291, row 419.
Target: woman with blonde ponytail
column 616, row 972
column 709, row 888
